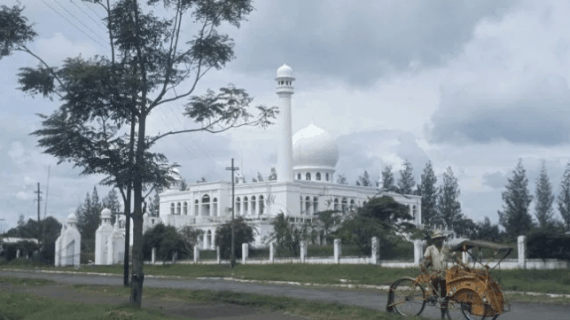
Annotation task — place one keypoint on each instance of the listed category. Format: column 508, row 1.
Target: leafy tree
column 341, row 179
column 147, row 60
column 564, row 197
column 448, row 206
column 154, row 207
column 273, row 174
column 465, row 227
column 515, row 217
column 325, row 222
column 183, row 185
column 388, row 181
column 111, row 201
column 287, row 235
column 544, row 199
column 165, row 239
column 202, row 180
column 487, row 231
column 243, row 234
column 548, row 243
column 30, row 229
column 406, row 182
column 88, row 220
column 190, row 237
column 429, row 192
column 381, row 217
column 364, row 180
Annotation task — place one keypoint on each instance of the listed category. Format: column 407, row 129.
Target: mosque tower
column 285, row 149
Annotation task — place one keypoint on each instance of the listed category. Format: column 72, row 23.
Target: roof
column 468, row 244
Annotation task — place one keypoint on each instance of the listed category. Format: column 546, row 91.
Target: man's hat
column 437, row 235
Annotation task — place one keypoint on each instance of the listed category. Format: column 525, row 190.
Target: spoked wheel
column 407, row 298
column 475, row 309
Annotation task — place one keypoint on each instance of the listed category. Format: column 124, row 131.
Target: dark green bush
column 548, row 243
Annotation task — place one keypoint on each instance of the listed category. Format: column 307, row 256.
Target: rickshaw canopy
column 469, row 244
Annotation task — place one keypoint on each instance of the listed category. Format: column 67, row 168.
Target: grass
column 26, row 282
column 549, row 281
column 31, row 307
column 312, row 310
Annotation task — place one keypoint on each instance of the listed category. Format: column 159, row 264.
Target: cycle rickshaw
column 470, row 290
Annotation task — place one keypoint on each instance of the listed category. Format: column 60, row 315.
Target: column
column 418, row 251
column 272, row 246
column 244, row 252
column 522, row 251
column 375, row 250
column 303, row 250
column 153, row 255
column 196, row 254
column 337, row 250
column 218, row 259
column 205, row 240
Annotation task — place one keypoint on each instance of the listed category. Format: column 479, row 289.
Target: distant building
column 68, row 244
column 305, row 184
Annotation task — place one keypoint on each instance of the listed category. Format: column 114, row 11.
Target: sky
column 471, row 85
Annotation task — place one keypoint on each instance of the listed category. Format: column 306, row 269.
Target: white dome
column 71, row 218
column 105, row 213
column 314, row 147
column 285, row 72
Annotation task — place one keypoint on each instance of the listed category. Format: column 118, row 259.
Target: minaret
column 285, row 148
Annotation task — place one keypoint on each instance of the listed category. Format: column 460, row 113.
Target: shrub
column 548, row 244
column 243, row 234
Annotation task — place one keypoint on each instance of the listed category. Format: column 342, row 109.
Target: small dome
column 106, row 213
column 71, row 218
column 314, row 147
column 285, row 72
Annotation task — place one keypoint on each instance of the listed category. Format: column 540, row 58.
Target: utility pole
column 39, row 218
column 233, row 256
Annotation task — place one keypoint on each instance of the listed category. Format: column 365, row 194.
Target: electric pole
column 39, row 218
column 233, row 256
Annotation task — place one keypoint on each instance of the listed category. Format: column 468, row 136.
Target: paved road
column 368, row 299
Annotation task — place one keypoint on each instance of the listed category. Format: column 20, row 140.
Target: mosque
column 305, row 185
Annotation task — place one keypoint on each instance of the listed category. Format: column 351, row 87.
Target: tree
column 465, row 227
column 259, row 176
column 51, row 228
column 154, row 207
column 364, row 180
column 273, row 174
column 341, row 179
column 165, row 239
column 487, row 231
column 515, row 217
column 243, row 234
column 429, row 192
column 288, row 236
column 448, row 206
column 190, row 237
column 388, row 182
column 111, row 202
column 202, row 180
column 88, row 220
column 544, row 199
column 325, row 222
column 564, row 197
column 146, row 62
column 406, row 182
column 183, row 185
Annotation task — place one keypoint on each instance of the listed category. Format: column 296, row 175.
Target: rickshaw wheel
column 466, row 310
column 407, row 297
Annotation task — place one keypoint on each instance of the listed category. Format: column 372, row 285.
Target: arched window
column 315, row 204
column 238, row 206
column 185, row 208
column 196, row 207
column 318, row 176
column 308, row 205
column 352, row 206
column 344, row 205
column 298, row 176
column 206, row 205
column 336, row 204
column 215, row 207
column 308, row 176
column 172, row 208
column 253, row 205
column 261, row 205
column 245, row 206
column 414, row 212
column 178, row 208
column 327, row 176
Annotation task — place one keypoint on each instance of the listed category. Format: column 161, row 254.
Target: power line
column 85, row 13
column 81, row 22
column 73, row 24
column 94, row 12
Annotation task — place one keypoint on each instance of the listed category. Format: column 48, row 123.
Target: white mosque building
column 305, row 184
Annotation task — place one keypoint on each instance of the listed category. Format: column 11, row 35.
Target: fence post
column 337, row 250
column 522, row 252
column 375, row 250
column 153, row 255
column 272, row 252
column 174, row 256
column 218, row 258
column 244, row 252
column 196, row 254
column 17, row 253
column 303, row 250
column 418, row 251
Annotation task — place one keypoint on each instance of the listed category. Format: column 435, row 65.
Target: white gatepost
column 418, row 251
column 174, row 256
column 337, row 250
column 272, row 247
column 218, row 258
column 303, row 251
column 244, row 252
column 375, row 254
column 196, row 253
column 522, row 251
column 17, row 253
column 153, row 255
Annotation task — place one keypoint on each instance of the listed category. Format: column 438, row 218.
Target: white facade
column 101, row 236
column 68, row 244
column 305, row 184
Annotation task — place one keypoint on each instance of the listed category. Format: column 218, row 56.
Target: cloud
column 359, row 42
column 495, row 180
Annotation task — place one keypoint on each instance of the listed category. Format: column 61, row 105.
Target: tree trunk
column 126, row 261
